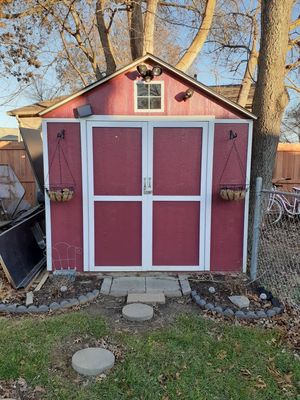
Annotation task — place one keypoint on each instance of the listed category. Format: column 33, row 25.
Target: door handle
column 147, row 189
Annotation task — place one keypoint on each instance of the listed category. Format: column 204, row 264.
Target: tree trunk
column 191, row 53
column 149, row 26
column 270, row 98
column 136, row 31
column 104, row 38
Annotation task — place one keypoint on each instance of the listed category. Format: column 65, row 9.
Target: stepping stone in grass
column 137, row 312
column 93, row 361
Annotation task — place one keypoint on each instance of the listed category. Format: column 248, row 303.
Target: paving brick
column 106, row 285
column 170, row 287
column 185, row 286
column 128, row 284
column 173, row 293
column 29, row 298
column 146, row 298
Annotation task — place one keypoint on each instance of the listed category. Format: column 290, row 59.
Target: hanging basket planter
column 60, row 193
column 233, row 192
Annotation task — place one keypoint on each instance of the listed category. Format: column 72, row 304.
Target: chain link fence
column 277, row 243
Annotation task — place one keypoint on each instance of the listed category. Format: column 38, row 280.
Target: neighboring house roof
column 231, row 92
column 33, row 110
column 9, row 134
column 39, row 109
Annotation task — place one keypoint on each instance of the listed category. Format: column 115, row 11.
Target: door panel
column 117, row 164
column 117, row 154
column 177, row 161
column 118, row 233
column 177, row 157
column 176, row 233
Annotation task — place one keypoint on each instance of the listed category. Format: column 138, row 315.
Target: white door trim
column 47, row 200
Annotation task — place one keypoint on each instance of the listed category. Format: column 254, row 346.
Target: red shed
column 145, row 159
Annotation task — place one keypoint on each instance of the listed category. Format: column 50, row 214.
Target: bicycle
column 279, row 204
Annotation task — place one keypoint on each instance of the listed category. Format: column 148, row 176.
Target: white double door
column 147, row 195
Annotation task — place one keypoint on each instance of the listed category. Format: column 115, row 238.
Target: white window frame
column 162, row 96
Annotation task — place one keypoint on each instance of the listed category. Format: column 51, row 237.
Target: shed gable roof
column 148, row 57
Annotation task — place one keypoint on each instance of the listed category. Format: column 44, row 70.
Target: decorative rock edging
column 229, row 312
column 54, row 306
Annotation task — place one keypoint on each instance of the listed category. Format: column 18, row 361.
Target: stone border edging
column 229, row 312
column 54, row 306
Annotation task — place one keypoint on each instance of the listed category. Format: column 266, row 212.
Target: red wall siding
column 116, row 97
column 66, row 217
column 227, row 230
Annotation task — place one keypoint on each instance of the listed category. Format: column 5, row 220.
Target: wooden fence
column 287, row 165
column 14, row 154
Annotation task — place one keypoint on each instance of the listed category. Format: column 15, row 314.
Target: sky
column 10, row 97
column 10, row 85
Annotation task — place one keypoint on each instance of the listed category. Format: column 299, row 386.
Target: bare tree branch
column 149, row 26
column 295, row 24
column 191, row 53
column 104, row 38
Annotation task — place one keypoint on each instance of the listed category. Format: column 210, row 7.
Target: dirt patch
column 61, row 355
column 74, row 286
column 164, row 314
column 228, row 285
column 7, row 293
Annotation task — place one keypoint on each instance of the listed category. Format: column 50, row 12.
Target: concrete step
column 146, row 298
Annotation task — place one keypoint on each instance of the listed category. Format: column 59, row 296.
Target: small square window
column 149, row 96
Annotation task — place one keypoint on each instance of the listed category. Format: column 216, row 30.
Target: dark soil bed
column 76, row 286
column 226, row 286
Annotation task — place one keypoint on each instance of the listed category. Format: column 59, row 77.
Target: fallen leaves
column 19, row 389
column 260, row 383
column 222, row 355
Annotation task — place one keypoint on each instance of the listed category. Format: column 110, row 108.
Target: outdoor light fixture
column 188, row 94
column 148, row 74
column 83, row 111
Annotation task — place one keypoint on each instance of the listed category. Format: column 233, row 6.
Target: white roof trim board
column 201, row 86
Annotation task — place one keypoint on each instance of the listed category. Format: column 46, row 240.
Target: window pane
column 142, row 89
column 155, row 89
column 155, row 103
column 143, row 103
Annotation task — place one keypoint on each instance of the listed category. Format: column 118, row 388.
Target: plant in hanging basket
column 60, row 193
column 233, row 192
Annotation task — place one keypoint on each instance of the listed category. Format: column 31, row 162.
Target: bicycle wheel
column 274, row 212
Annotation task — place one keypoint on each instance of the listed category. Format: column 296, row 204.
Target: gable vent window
column 149, row 96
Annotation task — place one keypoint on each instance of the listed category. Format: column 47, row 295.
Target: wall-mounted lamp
column 188, row 94
column 83, row 111
column 148, row 74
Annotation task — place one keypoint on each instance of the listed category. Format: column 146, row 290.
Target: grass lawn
column 191, row 359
